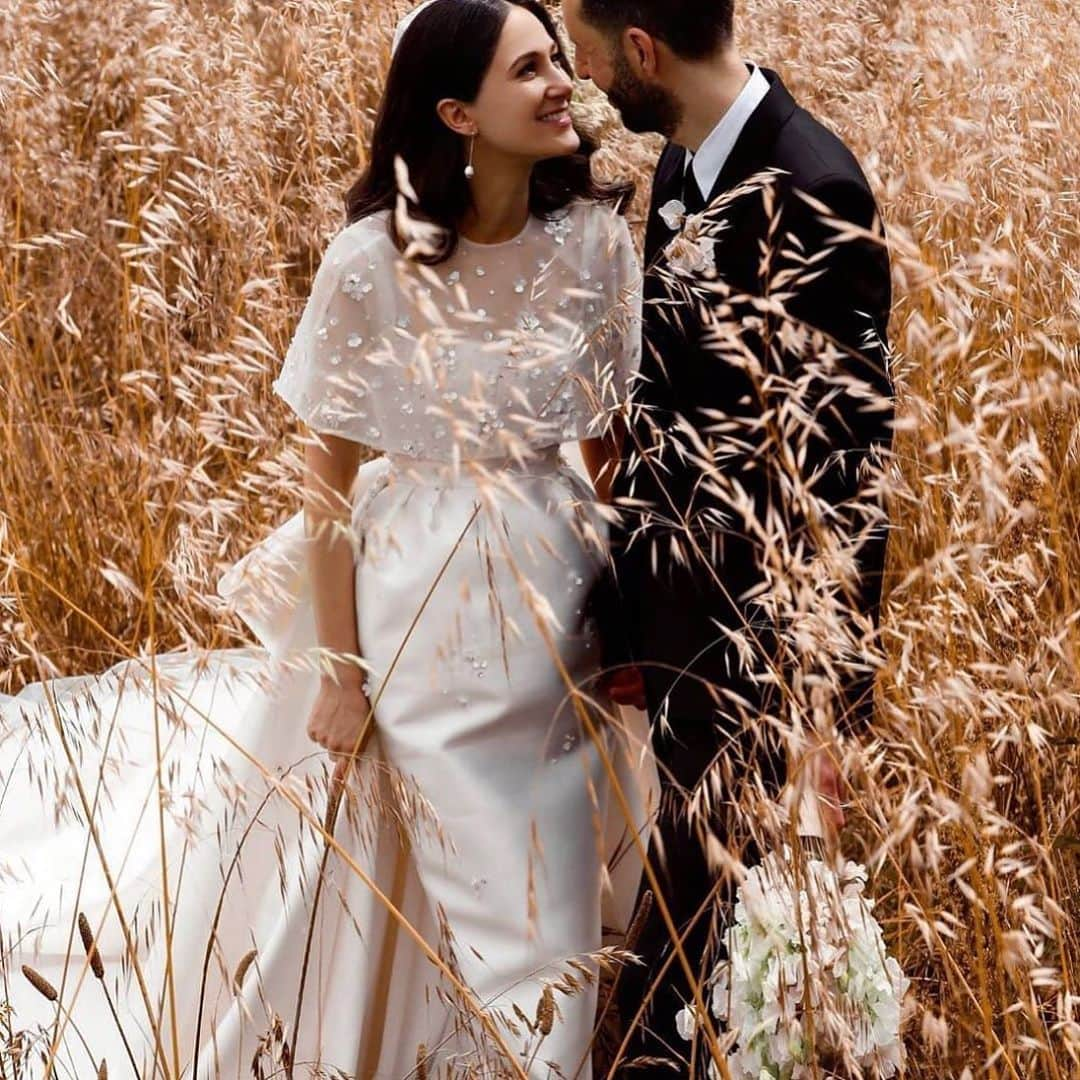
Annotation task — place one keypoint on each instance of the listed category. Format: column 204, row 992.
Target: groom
column 764, row 396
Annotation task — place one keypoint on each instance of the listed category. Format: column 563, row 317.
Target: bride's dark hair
column 446, row 53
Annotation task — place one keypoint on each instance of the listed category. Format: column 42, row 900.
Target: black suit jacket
column 733, row 389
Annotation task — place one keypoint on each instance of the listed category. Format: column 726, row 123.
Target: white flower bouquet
column 807, row 981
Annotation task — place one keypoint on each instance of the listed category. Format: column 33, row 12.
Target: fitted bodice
column 501, row 350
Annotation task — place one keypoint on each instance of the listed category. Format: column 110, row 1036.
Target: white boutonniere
column 692, row 256
column 692, row 252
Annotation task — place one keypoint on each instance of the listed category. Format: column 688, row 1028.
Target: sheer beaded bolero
column 503, row 349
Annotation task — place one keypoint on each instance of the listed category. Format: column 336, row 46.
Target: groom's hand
column 626, row 686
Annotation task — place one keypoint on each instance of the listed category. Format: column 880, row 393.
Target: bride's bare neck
column 500, row 192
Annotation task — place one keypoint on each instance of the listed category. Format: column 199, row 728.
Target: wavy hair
column 446, row 53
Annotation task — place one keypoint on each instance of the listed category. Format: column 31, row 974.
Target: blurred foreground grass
column 170, row 173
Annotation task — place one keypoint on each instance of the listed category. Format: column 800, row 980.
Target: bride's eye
column 556, row 58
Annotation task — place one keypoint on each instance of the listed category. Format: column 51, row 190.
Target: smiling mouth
column 557, row 117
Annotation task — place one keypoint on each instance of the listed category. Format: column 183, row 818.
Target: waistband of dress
column 545, row 462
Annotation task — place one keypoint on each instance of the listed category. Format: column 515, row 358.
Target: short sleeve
column 340, row 372
column 612, row 323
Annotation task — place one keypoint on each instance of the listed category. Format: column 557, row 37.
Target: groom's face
column 643, row 105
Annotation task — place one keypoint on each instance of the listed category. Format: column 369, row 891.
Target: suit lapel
column 670, row 170
column 667, row 185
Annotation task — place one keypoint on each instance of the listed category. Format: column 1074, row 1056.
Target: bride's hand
column 338, row 718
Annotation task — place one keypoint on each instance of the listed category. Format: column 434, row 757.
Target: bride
column 434, row 908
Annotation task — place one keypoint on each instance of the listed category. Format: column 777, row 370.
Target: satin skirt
column 479, row 852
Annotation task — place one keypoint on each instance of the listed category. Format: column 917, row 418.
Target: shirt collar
column 713, row 153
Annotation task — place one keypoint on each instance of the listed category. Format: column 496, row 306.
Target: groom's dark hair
column 692, row 29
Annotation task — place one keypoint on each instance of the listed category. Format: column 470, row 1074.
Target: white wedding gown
column 483, row 811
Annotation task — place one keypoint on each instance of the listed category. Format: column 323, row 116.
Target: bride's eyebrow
column 535, row 52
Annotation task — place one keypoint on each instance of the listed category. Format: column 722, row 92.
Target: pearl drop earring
column 470, row 172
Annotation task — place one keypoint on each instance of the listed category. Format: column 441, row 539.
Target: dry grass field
column 170, row 172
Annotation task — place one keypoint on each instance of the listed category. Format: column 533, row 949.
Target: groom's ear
column 455, row 116
column 641, row 51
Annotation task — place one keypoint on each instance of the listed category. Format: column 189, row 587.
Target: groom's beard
column 643, row 108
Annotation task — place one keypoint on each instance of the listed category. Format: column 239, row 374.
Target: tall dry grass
column 170, row 174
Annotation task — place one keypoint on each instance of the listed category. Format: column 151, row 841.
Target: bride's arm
column 328, row 478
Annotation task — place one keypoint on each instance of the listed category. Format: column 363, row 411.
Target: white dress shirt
column 713, row 153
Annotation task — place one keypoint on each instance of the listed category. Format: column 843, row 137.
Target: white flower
column 686, row 1022
column 721, row 989
column 560, row 229
column 692, row 253
column 674, row 214
column 800, row 941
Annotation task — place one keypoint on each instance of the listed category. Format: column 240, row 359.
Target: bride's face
column 523, row 105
